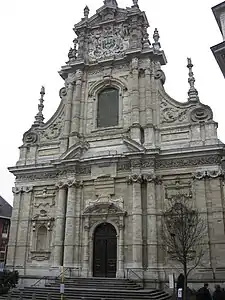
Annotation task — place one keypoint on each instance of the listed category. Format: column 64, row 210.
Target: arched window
column 42, row 238
column 108, row 108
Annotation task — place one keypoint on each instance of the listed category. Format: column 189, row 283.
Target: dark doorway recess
column 105, row 251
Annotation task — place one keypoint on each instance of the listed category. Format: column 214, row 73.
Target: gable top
column 108, row 13
column 112, row 33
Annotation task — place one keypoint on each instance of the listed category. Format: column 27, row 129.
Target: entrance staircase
column 89, row 289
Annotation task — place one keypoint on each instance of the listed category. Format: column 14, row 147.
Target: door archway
column 105, row 251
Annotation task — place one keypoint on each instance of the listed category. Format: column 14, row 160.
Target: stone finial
column 86, row 12
column 156, row 44
column 111, row 2
column 135, row 3
column 39, row 118
column 192, row 93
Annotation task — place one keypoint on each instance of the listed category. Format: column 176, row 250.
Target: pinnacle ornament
column 39, row 118
column 192, row 93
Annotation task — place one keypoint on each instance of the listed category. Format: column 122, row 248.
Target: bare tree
column 183, row 235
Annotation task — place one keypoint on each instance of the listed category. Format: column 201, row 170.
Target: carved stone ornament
column 172, row 114
column 150, row 177
column 17, row 190
column 42, row 219
column 84, row 170
column 63, row 93
column 81, row 170
column 136, row 163
column 178, row 187
column 40, row 255
column 103, row 209
column 209, row 174
column 30, row 137
column 44, row 199
column 201, row 114
column 74, row 183
column 70, row 80
column 110, row 42
column 135, row 178
column 160, row 75
column 22, row 189
column 54, row 130
column 187, row 162
column 105, row 199
column 123, row 166
column 147, row 163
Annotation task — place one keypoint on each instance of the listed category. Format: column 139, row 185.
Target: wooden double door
column 105, row 251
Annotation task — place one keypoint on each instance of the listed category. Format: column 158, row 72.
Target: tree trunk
column 185, row 283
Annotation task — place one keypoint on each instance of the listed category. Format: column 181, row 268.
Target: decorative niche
column 42, row 225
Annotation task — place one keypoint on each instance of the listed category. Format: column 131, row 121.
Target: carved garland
column 209, row 174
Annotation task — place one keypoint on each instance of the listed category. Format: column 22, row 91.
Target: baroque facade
column 92, row 182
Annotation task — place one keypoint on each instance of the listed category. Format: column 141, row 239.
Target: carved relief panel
column 42, row 225
column 44, row 198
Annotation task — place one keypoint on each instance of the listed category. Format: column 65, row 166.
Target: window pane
column 41, row 238
column 108, row 108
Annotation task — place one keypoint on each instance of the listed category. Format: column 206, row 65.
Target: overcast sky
column 37, row 34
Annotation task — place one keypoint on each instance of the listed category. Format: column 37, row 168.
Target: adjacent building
column 92, row 182
column 5, row 215
column 219, row 49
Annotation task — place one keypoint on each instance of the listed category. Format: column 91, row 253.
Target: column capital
column 134, row 64
column 28, row 189
column 60, row 185
column 17, row 190
column 135, row 178
column 74, row 183
column 209, row 174
column 70, row 81
column 152, row 177
column 79, row 74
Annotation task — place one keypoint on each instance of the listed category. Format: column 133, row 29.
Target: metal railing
column 137, row 277
column 46, row 278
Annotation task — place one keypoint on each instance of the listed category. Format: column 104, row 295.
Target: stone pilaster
column 149, row 128
column 135, row 106
column 24, row 228
column 75, row 128
column 204, row 208
column 77, row 246
column 120, row 272
column 60, row 225
column 86, row 228
column 11, row 254
column 70, row 224
column 68, row 107
column 151, row 220
column 136, row 180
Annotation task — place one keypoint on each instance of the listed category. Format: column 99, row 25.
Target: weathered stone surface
column 72, row 176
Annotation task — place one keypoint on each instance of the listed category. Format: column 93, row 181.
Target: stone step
column 91, row 294
column 90, row 289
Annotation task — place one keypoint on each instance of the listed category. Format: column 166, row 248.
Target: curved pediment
column 133, row 145
column 174, row 112
column 102, row 208
column 51, row 130
column 76, row 151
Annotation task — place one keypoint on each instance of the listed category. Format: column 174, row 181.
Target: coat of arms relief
column 111, row 41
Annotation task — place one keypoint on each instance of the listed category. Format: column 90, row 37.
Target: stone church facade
column 92, row 182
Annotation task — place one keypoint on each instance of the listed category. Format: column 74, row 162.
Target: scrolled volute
column 62, row 93
column 201, row 114
column 160, row 75
column 30, row 137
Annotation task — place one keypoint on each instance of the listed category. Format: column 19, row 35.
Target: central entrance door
column 105, row 251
